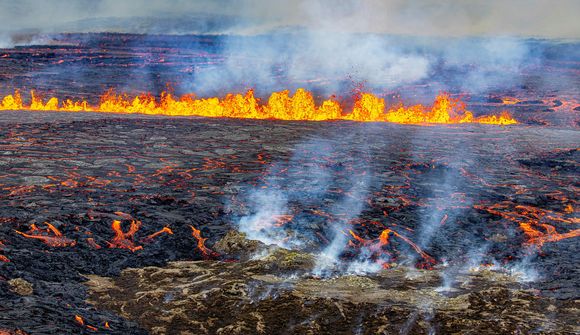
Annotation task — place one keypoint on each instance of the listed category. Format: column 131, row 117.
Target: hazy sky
column 545, row 18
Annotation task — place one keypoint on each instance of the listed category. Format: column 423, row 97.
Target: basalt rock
column 104, row 168
column 20, row 286
column 235, row 244
column 209, row 297
column 273, row 291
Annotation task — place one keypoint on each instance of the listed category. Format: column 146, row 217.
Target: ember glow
column 124, row 240
column 377, row 246
column 51, row 236
column 206, row 252
column 281, row 105
column 3, row 258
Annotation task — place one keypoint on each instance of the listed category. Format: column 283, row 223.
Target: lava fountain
column 280, row 106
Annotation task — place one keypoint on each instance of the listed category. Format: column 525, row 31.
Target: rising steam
column 314, row 178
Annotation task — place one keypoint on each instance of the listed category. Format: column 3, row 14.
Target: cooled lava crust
column 82, row 172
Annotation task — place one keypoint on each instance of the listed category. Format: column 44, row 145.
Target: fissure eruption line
column 281, row 105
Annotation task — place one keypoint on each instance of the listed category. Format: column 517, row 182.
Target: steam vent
column 240, row 167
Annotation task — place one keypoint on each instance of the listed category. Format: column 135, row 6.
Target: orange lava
column 510, row 100
column 376, row 246
column 50, row 236
column 3, row 258
column 79, row 320
column 538, row 238
column 124, row 240
column 93, row 244
column 165, row 230
column 280, row 106
column 534, row 222
column 206, row 252
column 280, row 220
column 384, row 239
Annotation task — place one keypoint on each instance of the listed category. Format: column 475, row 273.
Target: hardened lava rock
column 208, row 297
column 275, row 294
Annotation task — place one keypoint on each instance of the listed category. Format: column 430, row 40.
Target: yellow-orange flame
column 280, row 105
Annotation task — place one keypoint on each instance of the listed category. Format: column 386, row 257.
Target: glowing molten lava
column 538, row 238
column 510, row 100
column 537, row 224
column 125, row 240
column 3, row 258
column 79, row 319
column 81, row 322
column 376, row 246
column 50, row 236
column 280, row 106
column 165, row 230
column 206, row 252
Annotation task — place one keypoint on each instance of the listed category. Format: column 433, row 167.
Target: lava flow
column 537, row 224
column 125, row 240
column 206, row 252
column 51, row 236
column 280, row 106
column 2, row 257
column 376, row 247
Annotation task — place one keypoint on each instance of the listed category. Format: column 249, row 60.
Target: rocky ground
column 479, row 184
column 275, row 295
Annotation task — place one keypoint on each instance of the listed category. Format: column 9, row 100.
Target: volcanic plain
column 79, row 173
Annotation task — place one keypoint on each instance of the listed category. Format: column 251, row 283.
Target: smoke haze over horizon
column 525, row 18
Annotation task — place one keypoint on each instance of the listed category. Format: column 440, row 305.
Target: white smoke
column 324, row 46
column 258, row 226
column 5, row 41
column 313, row 178
column 352, row 206
column 319, row 60
column 489, row 63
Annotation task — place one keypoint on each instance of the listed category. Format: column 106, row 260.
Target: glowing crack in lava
column 280, row 105
column 205, row 251
column 3, row 258
column 51, row 236
column 124, row 240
